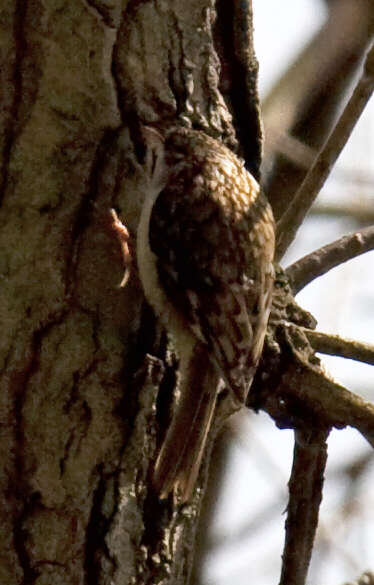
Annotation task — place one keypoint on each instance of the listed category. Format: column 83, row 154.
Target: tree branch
column 313, row 395
column 305, row 489
column 320, row 261
column 339, row 346
column 293, row 217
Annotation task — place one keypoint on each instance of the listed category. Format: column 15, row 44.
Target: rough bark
column 80, row 420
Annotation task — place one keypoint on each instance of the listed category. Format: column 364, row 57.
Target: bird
column 204, row 250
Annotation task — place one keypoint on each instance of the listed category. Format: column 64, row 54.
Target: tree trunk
column 81, row 359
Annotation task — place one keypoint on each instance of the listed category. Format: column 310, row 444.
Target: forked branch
column 319, row 397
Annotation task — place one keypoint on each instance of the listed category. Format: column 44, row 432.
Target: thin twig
column 315, row 178
column 340, row 346
column 320, row 261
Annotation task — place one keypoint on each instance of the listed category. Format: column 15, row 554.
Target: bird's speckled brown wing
column 212, row 232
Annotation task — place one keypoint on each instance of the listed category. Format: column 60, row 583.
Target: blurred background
column 310, row 54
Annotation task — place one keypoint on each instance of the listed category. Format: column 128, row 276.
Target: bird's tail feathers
column 178, row 463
